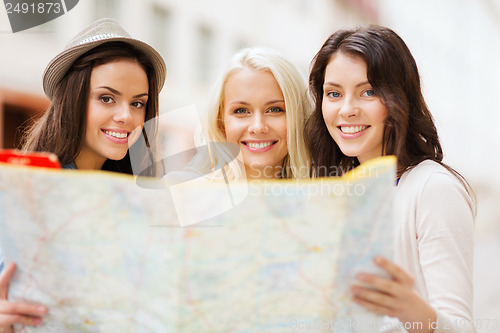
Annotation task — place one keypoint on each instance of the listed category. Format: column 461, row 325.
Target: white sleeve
column 445, row 231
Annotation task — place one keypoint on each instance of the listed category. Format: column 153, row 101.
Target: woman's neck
column 83, row 162
column 268, row 172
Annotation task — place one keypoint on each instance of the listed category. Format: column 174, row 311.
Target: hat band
column 98, row 37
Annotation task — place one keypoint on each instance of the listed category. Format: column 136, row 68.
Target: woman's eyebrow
column 114, row 91
column 329, row 83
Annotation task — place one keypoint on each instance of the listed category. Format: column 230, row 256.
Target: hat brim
column 59, row 66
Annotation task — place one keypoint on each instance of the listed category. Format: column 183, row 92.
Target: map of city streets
column 107, row 255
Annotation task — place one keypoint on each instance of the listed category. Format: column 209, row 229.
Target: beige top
column 434, row 233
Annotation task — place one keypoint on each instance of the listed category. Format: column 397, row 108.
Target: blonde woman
column 259, row 104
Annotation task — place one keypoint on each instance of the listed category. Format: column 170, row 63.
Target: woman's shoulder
column 434, row 182
column 428, row 171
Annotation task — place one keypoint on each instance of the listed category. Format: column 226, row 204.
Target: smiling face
column 255, row 118
column 116, row 111
column 353, row 113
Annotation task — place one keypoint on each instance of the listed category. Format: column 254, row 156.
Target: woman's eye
column 276, row 109
column 369, row 93
column 240, row 111
column 138, row 105
column 333, row 94
column 106, row 99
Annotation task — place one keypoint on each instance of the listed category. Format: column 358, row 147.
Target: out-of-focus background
column 456, row 44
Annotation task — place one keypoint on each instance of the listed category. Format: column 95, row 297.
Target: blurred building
column 456, row 44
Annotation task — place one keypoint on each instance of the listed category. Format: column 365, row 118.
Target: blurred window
column 161, row 28
column 205, row 51
column 106, row 8
column 17, row 110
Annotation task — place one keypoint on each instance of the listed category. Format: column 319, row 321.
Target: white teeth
column 259, row 145
column 116, row 135
column 352, row 129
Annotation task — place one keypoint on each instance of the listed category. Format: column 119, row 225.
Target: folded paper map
column 107, row 254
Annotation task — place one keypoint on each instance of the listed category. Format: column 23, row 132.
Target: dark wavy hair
column 409, row 133
column 61, row 129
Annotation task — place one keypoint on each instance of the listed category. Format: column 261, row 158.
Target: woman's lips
column 352, row 131
column 116, row 136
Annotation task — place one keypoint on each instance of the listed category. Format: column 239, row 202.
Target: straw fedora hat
column 101, row 31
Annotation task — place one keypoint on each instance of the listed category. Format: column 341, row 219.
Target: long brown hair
column 409, row 134
column 61, row 129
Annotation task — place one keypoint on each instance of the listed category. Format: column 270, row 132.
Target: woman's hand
column 394, row 297
column 16, row 312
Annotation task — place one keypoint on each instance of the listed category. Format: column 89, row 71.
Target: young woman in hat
column 104, row 92
column 260, row 104
column 368, row 103
column 103, row 88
